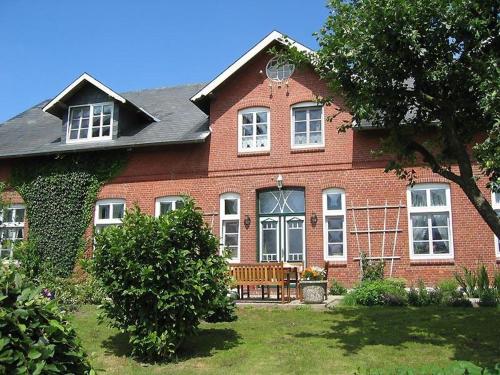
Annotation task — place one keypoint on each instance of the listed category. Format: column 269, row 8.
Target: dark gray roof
column 35, row 132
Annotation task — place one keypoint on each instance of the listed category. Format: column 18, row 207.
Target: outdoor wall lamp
column 247, row 221
column 314, row 219
column 279, row 182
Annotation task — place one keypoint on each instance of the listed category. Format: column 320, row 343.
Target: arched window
column 429, row 221
column 230, row 224
column 11, row 228
column 307, row 125
column 334, row 226
column 166, row 204
column 254, row 130
column 496, row 206
column 108, row 212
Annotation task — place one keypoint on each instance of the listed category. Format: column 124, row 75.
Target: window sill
column 307, row 150
column 498, row 260
column 254, row 153
column 432, row 262
column 337, row 263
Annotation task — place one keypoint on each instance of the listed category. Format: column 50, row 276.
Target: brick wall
column 207, row 170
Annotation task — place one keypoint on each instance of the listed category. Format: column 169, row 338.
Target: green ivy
column 60, row 193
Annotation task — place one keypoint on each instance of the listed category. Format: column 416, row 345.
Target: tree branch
column 434, row 164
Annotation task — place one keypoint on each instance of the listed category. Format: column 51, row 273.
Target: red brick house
column 274, row 178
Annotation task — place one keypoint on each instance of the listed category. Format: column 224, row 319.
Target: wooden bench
column 259, row 274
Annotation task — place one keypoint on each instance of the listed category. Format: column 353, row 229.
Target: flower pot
column 313, row 291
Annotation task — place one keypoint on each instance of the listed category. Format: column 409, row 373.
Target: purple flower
column 47, row 293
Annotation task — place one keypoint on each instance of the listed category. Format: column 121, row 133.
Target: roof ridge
column 164, row 87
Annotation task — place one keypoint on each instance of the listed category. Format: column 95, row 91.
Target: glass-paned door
column 295, row 239
column 282, row 225
column 269, row 239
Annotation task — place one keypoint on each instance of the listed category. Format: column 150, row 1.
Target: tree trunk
column 482, row 206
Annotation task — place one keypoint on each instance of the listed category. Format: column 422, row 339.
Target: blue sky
column 131, row 45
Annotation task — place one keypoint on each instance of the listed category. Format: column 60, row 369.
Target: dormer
column 92, row 112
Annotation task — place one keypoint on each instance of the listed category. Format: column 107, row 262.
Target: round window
column 279, row 69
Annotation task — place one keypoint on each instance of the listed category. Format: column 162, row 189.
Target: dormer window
column 90, row 122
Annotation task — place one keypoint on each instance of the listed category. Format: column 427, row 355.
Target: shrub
column 468, row 282
column 162, row 276
column 372, row 269
column 450, row 294
column 35, row 336
column 488, row 298
column 378, row 292
column 337, row 289
column 420, row 296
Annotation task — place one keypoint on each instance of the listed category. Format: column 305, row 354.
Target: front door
column 282, row 226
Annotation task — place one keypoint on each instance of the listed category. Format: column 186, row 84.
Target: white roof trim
column 90, row 79
column 100, row 86
column 275, row 35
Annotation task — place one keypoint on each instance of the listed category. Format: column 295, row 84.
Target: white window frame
column 334, row 213
column 307, row 105
column 230, row 217
column 106, row 222
column 12, row 224
column 496, row 207
column 240, row 130
column 173, row 199
column 91, row 114
column 430, row 210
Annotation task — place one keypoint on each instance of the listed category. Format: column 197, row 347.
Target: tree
column 427, row 72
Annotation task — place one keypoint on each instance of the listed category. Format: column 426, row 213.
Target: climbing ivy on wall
column 60, row 193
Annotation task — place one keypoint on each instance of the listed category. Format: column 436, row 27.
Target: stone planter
column 313, row 291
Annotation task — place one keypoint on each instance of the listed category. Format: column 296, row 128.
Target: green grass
column 375, row 340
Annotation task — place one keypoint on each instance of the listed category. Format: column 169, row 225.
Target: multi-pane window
column 90, row 122
column 230, row 224
column 11, row 228
column 109, row 212
column 334, row 227
column 496, row 207
column 429, row 209
column 167, row 204
column 307, row 126
column 253, row 130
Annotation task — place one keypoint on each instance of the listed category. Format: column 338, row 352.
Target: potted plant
column 313, row 285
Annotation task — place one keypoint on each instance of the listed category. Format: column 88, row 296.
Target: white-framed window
column 429, row 221
column 108, row 212
column 166, row 204
column 495, row 198
column 90, row 122
column 230, row 224
column 307, row 125
column 334, row 224
column 11, row 228
column 254, row 133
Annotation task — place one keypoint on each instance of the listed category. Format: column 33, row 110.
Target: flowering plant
column 313, row 273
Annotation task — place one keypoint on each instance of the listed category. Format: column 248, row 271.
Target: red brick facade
column 209, row 169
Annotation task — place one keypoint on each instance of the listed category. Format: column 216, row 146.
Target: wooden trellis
column 385, row 231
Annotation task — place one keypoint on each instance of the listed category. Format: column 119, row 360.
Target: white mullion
column 101, row 120
column 254, row 127
column 308, row 127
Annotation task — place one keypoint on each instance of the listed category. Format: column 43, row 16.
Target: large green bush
column 35, row 337
column 378, row 292
column 162, row 276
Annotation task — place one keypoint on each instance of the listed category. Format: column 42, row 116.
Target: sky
column 131, row 45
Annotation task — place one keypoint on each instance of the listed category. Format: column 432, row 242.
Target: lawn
column 376, row 340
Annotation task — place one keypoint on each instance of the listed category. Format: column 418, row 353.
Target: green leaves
column 60, row 194
column 35, row 336
column 162, row 275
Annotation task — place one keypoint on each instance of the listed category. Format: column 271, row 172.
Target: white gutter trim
column 273, row 36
